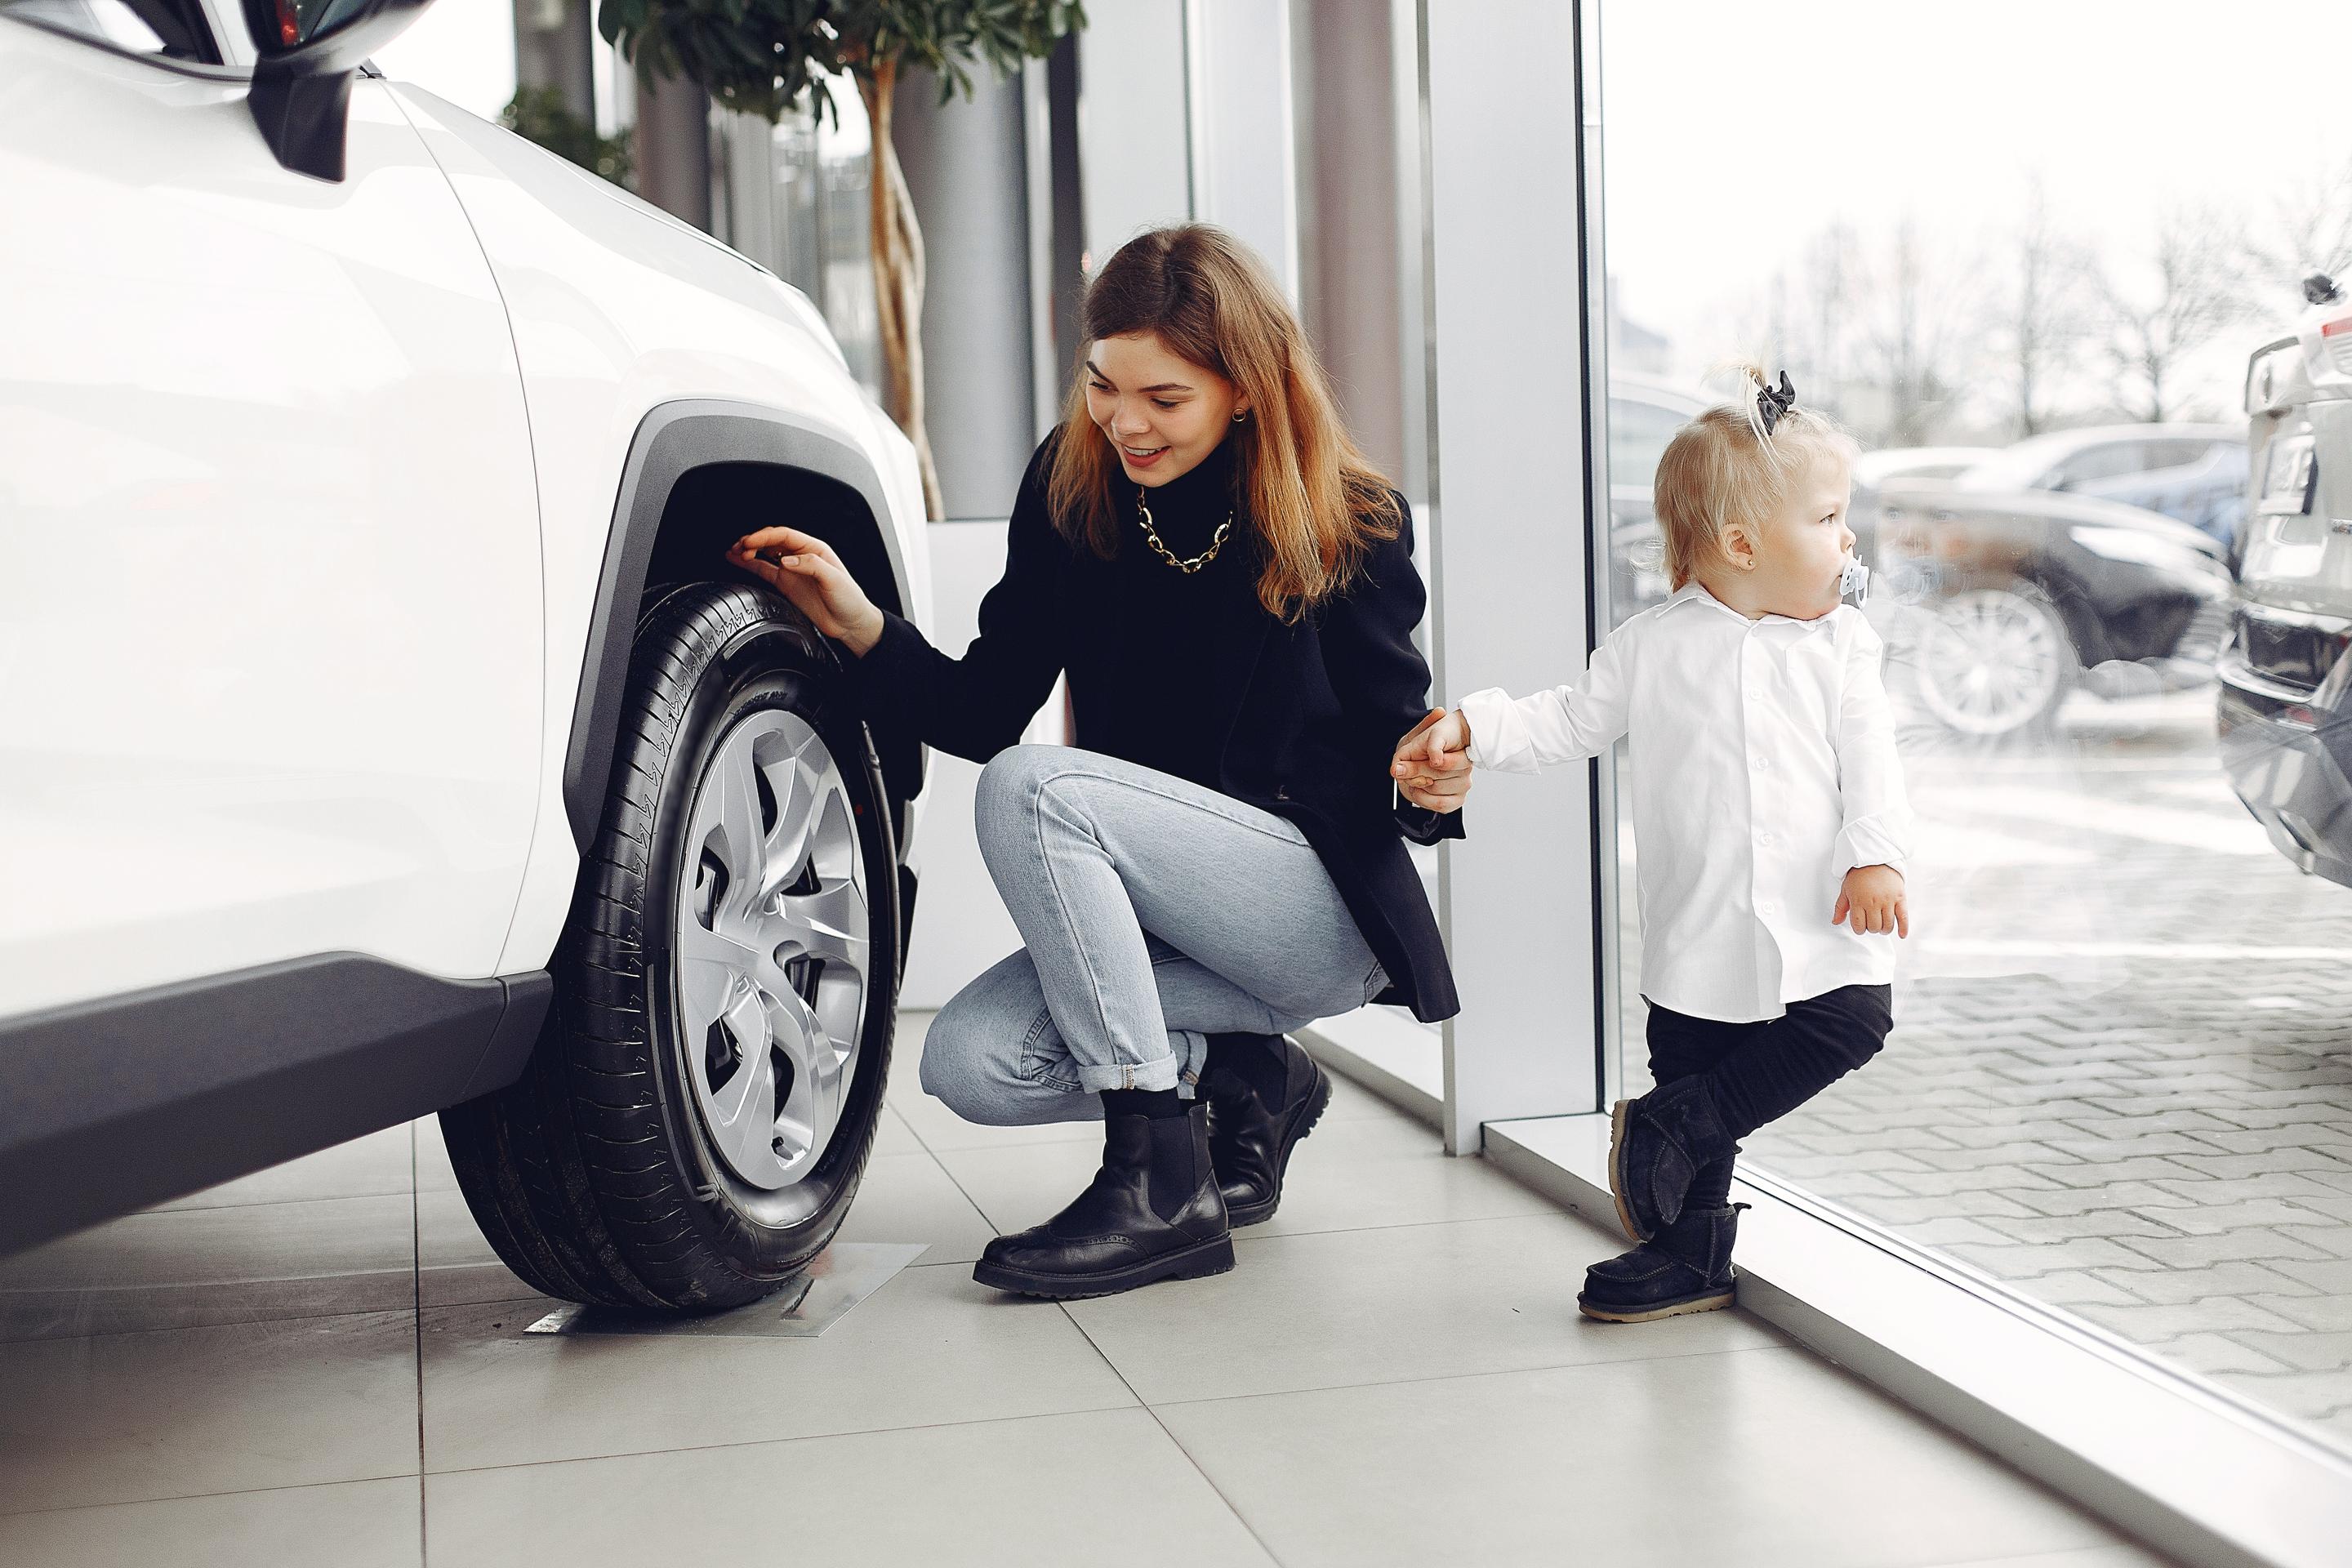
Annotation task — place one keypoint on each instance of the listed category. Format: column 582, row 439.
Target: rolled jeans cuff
column 1160, row 1072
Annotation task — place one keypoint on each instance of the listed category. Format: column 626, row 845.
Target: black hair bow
column 1770, row 403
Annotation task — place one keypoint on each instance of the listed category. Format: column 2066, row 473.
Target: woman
column 1229, row 587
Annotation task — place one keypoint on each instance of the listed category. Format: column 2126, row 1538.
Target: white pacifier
column 1854, row 583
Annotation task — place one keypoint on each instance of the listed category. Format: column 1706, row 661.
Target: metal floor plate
column 842, row 1275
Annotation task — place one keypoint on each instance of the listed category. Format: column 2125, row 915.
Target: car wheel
column 1993, row 661
column 698, row 1112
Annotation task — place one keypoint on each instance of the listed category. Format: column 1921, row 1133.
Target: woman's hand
column 1871, row 902
column 1431, row 763
column 804, row 568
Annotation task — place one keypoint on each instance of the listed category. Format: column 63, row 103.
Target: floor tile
column 1760, row 1459
column 973, row 1495
column 893, row 1136
column 354, row 1524
column 909, row 1197
column 182, row 1267
column 375, row 1166
column 929, row 1347
column 434, row 1173
column 455, row 1265
column 1357, row 1306
column 130, row 1417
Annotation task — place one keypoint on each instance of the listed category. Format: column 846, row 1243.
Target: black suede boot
column 1685, row 1267
column 1265, row 1093
column 1656, row 1145
column 1152, row 1212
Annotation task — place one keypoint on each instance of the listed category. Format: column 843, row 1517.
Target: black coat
column 1316, row 709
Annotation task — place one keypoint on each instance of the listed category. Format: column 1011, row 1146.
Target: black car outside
column 2020, row 597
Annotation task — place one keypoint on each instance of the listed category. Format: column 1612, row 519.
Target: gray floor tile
column 893, row 1136
column 433, row 1171
column 131, row 1418
column 182, row 1267
column 1760, row 1459
column 1359, row 1306
column 907, row 1197
column 1081, row 1490
column 929, row 1347
column 354, row 1524
column 374, row 1166
column 455, row 1263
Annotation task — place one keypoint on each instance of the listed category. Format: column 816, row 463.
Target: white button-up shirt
column 1763, row 771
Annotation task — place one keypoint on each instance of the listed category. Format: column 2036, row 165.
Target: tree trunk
column 898, row 246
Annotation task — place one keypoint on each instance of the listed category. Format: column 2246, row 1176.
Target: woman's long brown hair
column 1315, row 502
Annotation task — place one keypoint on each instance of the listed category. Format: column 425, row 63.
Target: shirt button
column 1764, row 838
column 1761, row 764
column 1765, row 908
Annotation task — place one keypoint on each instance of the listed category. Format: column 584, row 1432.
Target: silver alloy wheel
column 773, row 949
column 1991, row 661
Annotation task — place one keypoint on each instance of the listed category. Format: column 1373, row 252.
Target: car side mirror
column 308, row 52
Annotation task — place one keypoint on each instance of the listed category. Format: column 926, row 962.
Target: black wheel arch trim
column 123, row 1101
column 672, row 439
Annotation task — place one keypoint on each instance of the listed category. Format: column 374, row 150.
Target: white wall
column 961, row 925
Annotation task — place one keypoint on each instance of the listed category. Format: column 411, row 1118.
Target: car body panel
column 618, row 309
column 2285, row 704
column 269, row 564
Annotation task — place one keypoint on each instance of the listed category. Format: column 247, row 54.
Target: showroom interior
column 2063, row 1280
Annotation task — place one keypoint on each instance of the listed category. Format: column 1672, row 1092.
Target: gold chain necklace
column 1151, row 535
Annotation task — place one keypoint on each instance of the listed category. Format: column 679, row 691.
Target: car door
column 269, row 577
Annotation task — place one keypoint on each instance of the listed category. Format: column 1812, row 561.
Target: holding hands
column 1431, row 765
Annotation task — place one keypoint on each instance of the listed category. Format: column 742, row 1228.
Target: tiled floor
column 324, row 1365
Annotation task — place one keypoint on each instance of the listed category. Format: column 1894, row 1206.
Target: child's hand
column 1871, row 902
column 1431, row 763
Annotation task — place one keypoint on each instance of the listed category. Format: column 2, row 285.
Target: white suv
column 382, row 731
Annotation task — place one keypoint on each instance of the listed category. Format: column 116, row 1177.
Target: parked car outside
column 2286, row 705
column 1888, row 464
column 2192, row 473
column 2013, row 599
column 387, row 736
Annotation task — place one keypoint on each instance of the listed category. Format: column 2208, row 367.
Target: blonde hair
column 1314, row 500
column 1726, row 468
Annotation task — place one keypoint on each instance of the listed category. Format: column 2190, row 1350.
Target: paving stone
column 2022, row 1261
column 2107, row 1173
column 2331, row 1276
column 2179, row 1287
column 2242, row 1319
column 2323, row 1314
column 2085, row 1200
column 2090, row 1222
column 2196, row 1251
column 2212, row 1219
column 2209, row 1353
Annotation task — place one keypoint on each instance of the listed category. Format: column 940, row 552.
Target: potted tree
column 770, row 57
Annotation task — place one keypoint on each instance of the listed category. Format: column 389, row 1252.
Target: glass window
column 2120, row 1078
column 171, row 29
column 1638, row 434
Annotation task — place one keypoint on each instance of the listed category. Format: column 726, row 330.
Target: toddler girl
column 1768, row 811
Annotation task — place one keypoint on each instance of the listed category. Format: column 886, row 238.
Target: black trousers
column 1757, row 1073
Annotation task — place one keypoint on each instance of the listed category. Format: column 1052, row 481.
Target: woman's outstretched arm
column 974, row 706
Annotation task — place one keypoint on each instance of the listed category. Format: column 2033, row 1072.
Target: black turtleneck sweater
column 1152, row 634
column 1188, row 674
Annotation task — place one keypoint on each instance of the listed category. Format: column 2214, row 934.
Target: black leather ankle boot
column 1152, row 1212
column 1685, row 1267
column 1656, row 1144
column 1252, row 1130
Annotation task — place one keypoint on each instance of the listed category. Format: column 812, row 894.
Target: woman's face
column 1161, row 415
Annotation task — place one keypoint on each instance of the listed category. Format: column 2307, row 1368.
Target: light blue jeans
column 1155, row 913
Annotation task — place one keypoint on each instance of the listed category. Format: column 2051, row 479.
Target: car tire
column 1992, row 662
column 698, row 1112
